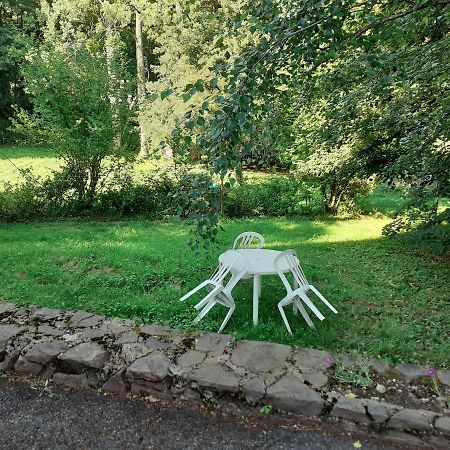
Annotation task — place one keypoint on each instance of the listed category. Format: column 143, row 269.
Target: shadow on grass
column 13, row 152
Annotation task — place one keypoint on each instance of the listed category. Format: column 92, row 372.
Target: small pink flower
column 431, row 372
column 329, row 359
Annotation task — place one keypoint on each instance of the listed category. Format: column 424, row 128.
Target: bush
column 278, row 196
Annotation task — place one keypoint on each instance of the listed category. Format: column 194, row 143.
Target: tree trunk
column 113, row 84
column 331, row 202
column 141, row 89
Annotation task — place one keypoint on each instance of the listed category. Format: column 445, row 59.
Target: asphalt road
column 37, row 418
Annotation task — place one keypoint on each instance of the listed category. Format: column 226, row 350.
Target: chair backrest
column 249, row 239
column 289, row 259
column 234, row 262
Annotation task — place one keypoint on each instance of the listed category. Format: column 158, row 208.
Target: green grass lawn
column 393, row 302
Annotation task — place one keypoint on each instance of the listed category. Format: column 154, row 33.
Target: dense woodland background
column 337, row 98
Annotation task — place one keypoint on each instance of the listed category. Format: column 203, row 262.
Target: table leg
column 256, row 293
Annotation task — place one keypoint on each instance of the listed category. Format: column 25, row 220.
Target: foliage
column 293, row 198
column 70, row 91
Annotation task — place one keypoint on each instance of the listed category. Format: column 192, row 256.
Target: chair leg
column 305, row 315
column 227, row 318
column 323, row 298
column 211, row 295
column 205, row 310
column 196, row 289
column 283, row 315
column 310, row 304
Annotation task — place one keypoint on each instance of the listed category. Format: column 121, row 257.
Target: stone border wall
column 84, row 350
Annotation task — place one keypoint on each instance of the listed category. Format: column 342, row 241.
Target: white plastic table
column 261, row 261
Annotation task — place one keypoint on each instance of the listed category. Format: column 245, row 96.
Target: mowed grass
column 393, row 302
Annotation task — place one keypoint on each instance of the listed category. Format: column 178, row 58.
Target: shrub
column 278, row 196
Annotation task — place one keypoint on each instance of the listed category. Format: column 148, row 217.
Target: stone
column 84, row 319
column 380, row 388
column 260, row 356
column 156, row 391
column 25, row 367
column 129, row 337
column 412, row 419
column 85, row 356
column 363, row 410
column 7, row 308
column 442, row 424
column 8, row 361
column 131, row 352
column 70, row 380
column 191, row 358
column 46, row 352
column 155, row 344
column 411, row 371
column 153, row 367
column 46, row 314
column 91, row 333
column 117, row 326
column 156, row 330
column 380, row 366
column 351, row 409
column 9, row 331
column 117, row 383
column 308, row 359
column 444, row 376
column 317, row 380
column 347, row 360
column 290, row 394
column 47, row 373
column 47, row 330
column 215, row 376
column 254, row 389
column 213, row 343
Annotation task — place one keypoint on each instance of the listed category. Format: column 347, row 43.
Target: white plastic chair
column 234, row 264
column 249, row 239
column 297, row 295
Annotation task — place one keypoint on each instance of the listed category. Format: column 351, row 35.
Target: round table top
column 261, row 261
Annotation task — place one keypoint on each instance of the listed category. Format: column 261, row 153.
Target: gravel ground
column 37, row 418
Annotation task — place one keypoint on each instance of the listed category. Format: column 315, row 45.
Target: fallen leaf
column 350, row 395
column 357, row 444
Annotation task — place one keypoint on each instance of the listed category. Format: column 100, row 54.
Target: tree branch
column 418, row 7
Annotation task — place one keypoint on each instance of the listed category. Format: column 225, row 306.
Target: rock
column 7, row 308
column 444, row 376
column 117, row 382
column 317, row 380
column 25, row 367
column 380, row 388
column 380, row 366
column 91, row 334
column 154, row 367
column 380, row 412
column 213, row 343
column 8, row 361
column 191, row 358
column 70, row 380
column 215, row 376
column 47, row 330
column 46, row 352
column 363, row 410
column 85, row 356
column 155, row 344
column 46, row 314
column 84, row 319
column 71, row 337
column 412, row 419
column 442, row 424
column 411, row 371
column 117, row 326
column 156, row 391
column 308, row 359
column 260, row 356
column 291, row 394
column 9, row 331
column 347, row 360
column 130, row 337
column 156, row 330
column 131, row 352
column 254, row 389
